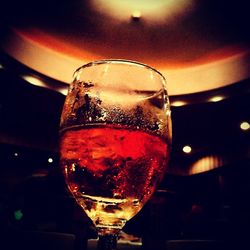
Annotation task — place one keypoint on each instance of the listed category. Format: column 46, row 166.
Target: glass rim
column 122, row 61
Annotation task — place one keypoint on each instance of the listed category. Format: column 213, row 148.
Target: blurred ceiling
column 202, row 47
column 197, row 45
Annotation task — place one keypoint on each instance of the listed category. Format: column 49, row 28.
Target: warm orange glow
column 49, row 42
column 205, row 164
column 58, row 58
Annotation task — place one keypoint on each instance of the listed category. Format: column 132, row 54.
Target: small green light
column 18, row 214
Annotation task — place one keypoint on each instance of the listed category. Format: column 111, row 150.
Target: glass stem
column 107, row 242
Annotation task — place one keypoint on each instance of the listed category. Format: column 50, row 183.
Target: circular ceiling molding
column 197, row 49
column 57, row 59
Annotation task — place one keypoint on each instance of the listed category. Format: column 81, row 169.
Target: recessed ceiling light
column 244, row 125
column 178, row 103
column 136, row 14
column 63, row 90
column 34, row 80
column 50, row 160
column 187, row 149
column 216, row 98
column 157, row 10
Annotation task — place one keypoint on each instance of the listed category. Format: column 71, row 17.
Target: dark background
column 211, row 205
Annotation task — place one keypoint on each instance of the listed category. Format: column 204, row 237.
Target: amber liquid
column 112, row 171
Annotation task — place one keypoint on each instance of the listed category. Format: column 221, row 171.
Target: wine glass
column 115, row 139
